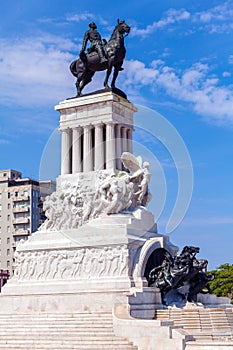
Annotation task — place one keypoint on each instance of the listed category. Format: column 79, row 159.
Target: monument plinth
column 98, row 234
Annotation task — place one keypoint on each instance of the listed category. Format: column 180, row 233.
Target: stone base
column 99, row 264
column 60, row 302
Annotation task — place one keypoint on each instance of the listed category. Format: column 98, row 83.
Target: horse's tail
column 77, row 67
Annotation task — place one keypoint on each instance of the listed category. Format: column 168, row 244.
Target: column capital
column 110, row 123
column 79, row 127
column 98, row 125
column 66, row 129
column 88, row 127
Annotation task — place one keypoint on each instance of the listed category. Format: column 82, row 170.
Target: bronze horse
column 85, row 67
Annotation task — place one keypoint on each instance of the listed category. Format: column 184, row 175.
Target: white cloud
column 221, row 12
column 195, row 85
column 137, row 73
column 172, row 16
column 226, row 74
column 35, row 71
column 86, row 16
column 217, row 19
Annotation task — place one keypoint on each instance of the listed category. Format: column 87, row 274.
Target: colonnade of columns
column 94, row 147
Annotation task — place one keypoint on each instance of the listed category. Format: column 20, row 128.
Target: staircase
column 80, row 331
column 205, row 325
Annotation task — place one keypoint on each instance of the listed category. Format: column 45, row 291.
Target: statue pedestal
column 96, row 266
column 92, row 252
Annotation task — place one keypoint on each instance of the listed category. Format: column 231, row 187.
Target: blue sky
column 179, row 63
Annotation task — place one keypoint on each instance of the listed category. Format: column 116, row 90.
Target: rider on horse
column 109, row 55
column 96, row 42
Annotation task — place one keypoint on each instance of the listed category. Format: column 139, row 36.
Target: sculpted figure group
column 70, row 264
column 71, row 206
column 181, row 278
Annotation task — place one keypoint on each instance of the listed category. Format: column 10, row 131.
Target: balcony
column 21, row 210
column 21, row 199
column 21, row 233
column 21, row 221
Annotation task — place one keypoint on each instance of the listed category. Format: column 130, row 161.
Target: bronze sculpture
column 97, row 44
column 114, row 50
column 182, row 277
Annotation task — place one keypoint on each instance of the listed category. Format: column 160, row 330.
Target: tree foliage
column 222, row 285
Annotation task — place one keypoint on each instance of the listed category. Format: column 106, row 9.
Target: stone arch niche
column 150, row 255
column 155, row 259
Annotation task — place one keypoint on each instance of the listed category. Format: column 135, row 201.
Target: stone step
column 29, row 317
column 60, row 322
column 55, row 327
column 67, row 347
column 91, row 320
column 71, row 332
column 59, row 316
column 78, row 335
column 66, row 321
column 85, row 340
column 84, row 331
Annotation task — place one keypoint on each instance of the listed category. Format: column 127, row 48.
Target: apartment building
column 20, row 212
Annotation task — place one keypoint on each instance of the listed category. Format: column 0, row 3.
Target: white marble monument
column 92, row 255
column 92, row 250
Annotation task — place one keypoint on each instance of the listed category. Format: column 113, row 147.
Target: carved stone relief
column 72, row 205
column 72, row 264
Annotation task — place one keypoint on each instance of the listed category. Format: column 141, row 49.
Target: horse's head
column 190, row 250
column 122, row 27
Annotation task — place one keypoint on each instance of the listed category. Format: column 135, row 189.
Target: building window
column 8, row 229
column 16, row 194
column 8, row 263
column 8, row 252
column 8, row 206
column 8, row 217
column 8, row 240
column 8, row 195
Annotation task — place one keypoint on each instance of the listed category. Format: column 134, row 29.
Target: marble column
column 87, row 149
column 110, row 147
column 129, row 140
column 66, row 144
column 118, row 147
column 124, row 139
column 99, row 147
column 76, row 151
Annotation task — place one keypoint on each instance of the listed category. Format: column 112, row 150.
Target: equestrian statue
column 100, row 56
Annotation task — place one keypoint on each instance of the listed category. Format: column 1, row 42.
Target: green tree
column 222, row 285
